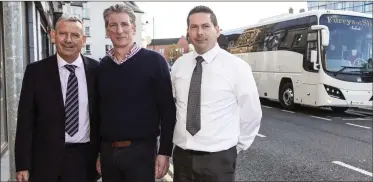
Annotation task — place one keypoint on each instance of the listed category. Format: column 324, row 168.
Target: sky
column 170, row 18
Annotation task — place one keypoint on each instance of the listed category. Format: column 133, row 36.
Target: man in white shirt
column 218, row 106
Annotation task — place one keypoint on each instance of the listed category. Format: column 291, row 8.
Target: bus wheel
column 286, row 96
column 339, row 109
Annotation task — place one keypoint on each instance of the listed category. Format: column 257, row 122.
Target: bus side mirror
column 325, row 37
column 313, row 59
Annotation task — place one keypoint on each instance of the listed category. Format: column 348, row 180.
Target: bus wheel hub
column 288, row 96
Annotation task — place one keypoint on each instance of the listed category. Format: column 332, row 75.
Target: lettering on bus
column 349, row 22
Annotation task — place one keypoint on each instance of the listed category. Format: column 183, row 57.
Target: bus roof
column 283, row 17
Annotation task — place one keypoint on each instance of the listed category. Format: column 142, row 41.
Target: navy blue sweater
column 136, row 100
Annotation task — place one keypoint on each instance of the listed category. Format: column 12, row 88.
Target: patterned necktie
column 72, row 103
column 193, row 108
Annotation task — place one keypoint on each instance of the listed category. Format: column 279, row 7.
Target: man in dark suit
column 57, row 138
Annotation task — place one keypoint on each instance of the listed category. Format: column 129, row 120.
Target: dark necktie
column 72, row 103
column 193, row 107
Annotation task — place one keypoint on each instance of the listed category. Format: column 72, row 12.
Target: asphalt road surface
column 308, row 145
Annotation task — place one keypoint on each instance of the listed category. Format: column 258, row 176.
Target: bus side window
column 297, row 41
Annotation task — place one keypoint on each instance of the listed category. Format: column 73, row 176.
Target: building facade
column 357, row 6
column 91, row 14
column 24, row 38
column 179, row 46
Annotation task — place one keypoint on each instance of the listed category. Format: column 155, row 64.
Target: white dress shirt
column 83, row 134
column 230, row 106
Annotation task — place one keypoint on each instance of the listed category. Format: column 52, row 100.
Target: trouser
column 190, row 166
column 135, row 162
column 76, row 163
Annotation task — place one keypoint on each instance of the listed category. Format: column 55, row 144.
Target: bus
column 319, row 58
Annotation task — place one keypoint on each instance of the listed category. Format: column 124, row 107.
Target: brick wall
column 182, row 44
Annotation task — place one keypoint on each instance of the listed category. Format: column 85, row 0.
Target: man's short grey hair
column 119, row 8
column 70, row 18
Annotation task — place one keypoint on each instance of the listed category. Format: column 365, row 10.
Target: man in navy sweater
column 136, row 105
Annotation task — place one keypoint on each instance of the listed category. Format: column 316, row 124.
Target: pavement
column 308, row 145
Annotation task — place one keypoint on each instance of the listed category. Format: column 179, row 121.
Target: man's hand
column 22, row 176
column 161, row 166
column 98, row 165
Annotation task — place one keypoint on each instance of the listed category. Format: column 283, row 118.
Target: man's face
column 69, row 39
column 120, row 30
column 203, row 35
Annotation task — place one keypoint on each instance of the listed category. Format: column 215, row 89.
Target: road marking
column 355, row 113
column 361, row 119
column 267, row 106
column 262, row 136
column 287, row 111
column 358, row 125
column 353, row 168
column 327, row 119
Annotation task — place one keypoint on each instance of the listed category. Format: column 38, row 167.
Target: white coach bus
column 319, row 58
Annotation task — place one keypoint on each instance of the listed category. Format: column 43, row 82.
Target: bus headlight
column 334, row 92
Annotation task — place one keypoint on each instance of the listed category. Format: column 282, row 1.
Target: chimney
column 301, row 10
column 290, row 11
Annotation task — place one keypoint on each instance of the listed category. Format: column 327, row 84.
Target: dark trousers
column 76, row 164
column 135, row 162
column 191, row 166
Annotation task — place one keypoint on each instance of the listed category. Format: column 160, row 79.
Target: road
column 308, row 144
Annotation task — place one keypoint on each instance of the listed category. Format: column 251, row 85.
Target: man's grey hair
column 119, row 8
column 70, row 18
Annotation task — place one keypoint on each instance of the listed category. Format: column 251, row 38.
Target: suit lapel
column 90, row 86
column 55, row 83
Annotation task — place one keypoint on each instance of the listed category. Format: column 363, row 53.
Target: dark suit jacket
column 40, row 135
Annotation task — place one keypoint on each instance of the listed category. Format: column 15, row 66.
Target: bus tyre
column 339, row 109
column 286, row 96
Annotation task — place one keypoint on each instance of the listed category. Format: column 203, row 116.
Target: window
column 70, row 10
column 162, row 51
column 313, row 4
column 349, row 8
column 4, row 135
column 358, row 3
column 86, row 13
column 3, row 121
column 312, row 45
column 348, row 4
column 330, row 6
column 322, row 3
column 87, row 31
column 338, row 5
column 297, row 40
column 368, row 8
column 358, row 8
column 322, row 7
column 45, row 43
column 88, row 49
